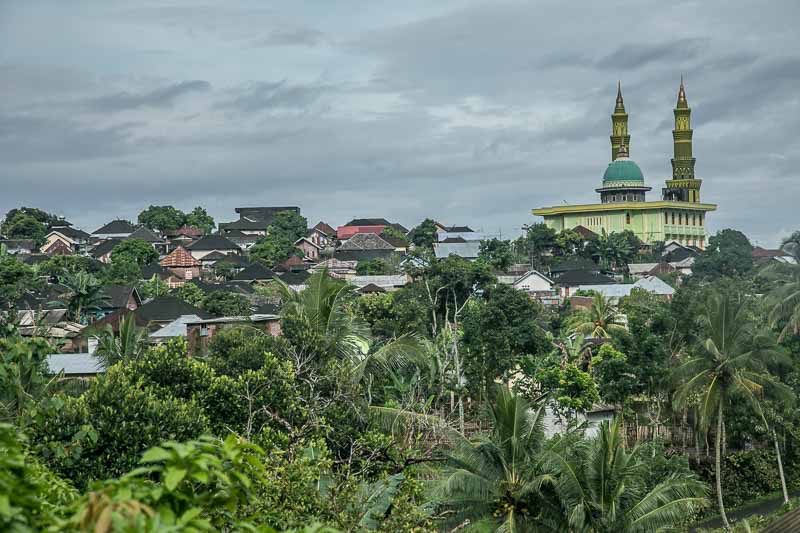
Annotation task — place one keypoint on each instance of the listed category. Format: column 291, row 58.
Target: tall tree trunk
column 717, row 467
column 780, row 467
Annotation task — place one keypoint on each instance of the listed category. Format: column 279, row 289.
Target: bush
column 746, row 475
column 235, row 350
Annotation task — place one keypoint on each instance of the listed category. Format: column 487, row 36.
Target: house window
column 694, row 220
column 680, row 219
column 188, row 274
column 666, row 217
column 701, row 220
column 627, row 218
column 673, row 218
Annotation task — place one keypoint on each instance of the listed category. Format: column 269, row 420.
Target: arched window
column 673, row 218
column 680, row 219
column 694, row 220
column 666, row 217
column 701, row 219
column 627, row 218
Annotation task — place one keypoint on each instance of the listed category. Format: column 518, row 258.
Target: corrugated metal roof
column 380, row 281
column 176, row 328
column 74, row 364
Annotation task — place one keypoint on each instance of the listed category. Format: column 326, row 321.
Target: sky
column 467, row 112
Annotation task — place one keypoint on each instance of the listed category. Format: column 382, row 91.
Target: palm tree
column 496, row 482
column 323, row 308
column 602, row 487
column 784, row 299
column 127, row 345
column 599, row 320
column 84, row 292
column 730, row 362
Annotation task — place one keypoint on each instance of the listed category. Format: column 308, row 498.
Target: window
column 188, row 273
column 680, row 219
column 627, row 218
column 666, row 217
column 701, row 220
column 673, row 218
column 694, row 220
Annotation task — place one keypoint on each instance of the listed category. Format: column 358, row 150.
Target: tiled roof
column 761, row 253
column 214, row 256
column 185, row 230
column 371, row 288
column 583, row 277
column 397, row 242
column 254, row 272
column 365, row 241
column 118, row 295
column 212, row 242
column 145, row 234
column 292, row 261
column 295, row 278
column 154, row 269
column 368, row 222
column 71, row 233
column 458, row 229
column 584, row 232
column 166, row 309
column 115, row 227
column 454, row 239
column 179, row 258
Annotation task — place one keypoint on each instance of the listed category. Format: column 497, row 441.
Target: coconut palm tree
column 730, row 362
column 84, row 292
column 128, row 344
column 599, row 320
column 602, row 487
column 495, row 482
column 784, row 299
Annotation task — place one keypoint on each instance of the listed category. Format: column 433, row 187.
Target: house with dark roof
column 153, row 314
column 568, row 282
column 311, row 250
column 116, row 229
column 212, row 243
column 254, row 220
column 586, row 233
column 364, row 247
column 255, row 272
column 116, row 297
column 292, row 264
column 201, row 332
column 296, row 280
column 573, row 264
column 466, row 233
column 57, row 247
column 70, row 237
column 243, row 240
column 762, row 255
column 102, row 251
column 164, row 274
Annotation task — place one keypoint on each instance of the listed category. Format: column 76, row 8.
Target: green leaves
column 173, row 476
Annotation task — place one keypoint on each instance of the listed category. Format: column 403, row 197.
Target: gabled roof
column 145, row 234
column 176, row 328
column 365, row 241
column 371, row 288
column 309, row 241
column 584, row 232
column 322, row 227
column 235, row 260
column 583, row 277
column 458, row 229
column 533, row 273
column 295, row 278
column 387, row 281
column 115, row 227
column 179, row 258
column 292, row 261
column 679, row 254
column 154, row 269
column 454, row 239
column 214, row 256
column 212, row 242
column 118, row 295
column 71, row 233
column 369, row 222
column 397, row 242
column 166, row 309
column 255, row 272
column 238, row 287
column 104, row 247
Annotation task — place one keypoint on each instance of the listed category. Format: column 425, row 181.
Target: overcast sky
column 467, row 112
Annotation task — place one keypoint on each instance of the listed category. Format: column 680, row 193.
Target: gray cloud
column 636, row 55
column 274, row 95
column 157, row 98
column 292, row 37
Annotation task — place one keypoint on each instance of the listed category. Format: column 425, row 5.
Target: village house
column 364, row 247
column 367, row 225
column 63, row 236
column 102, row 250
column 212, row 243
column 322, row 235
column 182, row 264
column 200, row 333
column 254, row 221
column 116, row 229
column 311, row 250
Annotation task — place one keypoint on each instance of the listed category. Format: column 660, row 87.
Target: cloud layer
column 468, row 112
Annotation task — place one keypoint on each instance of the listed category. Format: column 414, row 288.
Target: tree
column 152, row 288
column 496, row 253
column 23, row 375
column 162, row 218
column 791, row 245
column 190, row 293
column 25, row 226
column 537, row 240
column 84, row 293
column 424, row 235
column 731, row 362
column 123, row 271
column 58, row 264
column 199, row 218
column 16, row 279
column 784, row 299
column 278, row 245
column 616, row 249
column 136, row 251
column 495, row 482
column 602, row 487
column 568, row 242
column 226, row 304
column 599, row 320
column 374, row 267
column 126, row 345
column 729, row 253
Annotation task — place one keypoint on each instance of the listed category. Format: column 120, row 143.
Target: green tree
column 424, row 235
column 199, row 218
column 731, row 362
column 162, row 218
column 123, row 271
column 84, row 293
column 375, row 267
column 125, row 345
column 600, row 320
column 568, row 242
column 496, row 253
column 603, row 487
column 729, row 254
column 24, row 379
column 58, row 264
column 190, row 293
column 495, row 482
column 25, row 226
column 616, row 249
column 136, row 251
column 16, row 279
column 784, row 299
column 537, row 240
column 282, row 233
column 226, row 304
column 152, row 288
column 791, row 245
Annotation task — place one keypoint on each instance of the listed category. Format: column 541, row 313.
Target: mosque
column 678, row 216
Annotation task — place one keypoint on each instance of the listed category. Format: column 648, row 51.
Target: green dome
column 623, row 171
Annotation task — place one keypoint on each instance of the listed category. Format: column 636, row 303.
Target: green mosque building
column 678, row 216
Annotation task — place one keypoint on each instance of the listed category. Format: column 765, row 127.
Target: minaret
column 619, row 125
column 683, row 186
